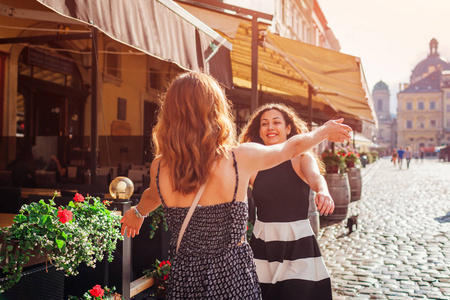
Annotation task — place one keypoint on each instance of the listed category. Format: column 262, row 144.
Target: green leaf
column 9, row 248
column 20, row 218
column 71, row 204
column 60, row 243
column 33, row 220
column 43, row 219
column 64, row 235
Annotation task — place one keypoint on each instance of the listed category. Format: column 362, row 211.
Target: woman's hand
column 337, row 132
column 131, row 224
column 324, row 203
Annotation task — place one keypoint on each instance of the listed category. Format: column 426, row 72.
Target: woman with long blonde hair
column 200, row 177
column 288, row 259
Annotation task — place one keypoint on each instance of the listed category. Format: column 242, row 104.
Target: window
column 448, row 94
column 432, row 105
column 112, row 62
column 421, row 125
column 448, row 107
column 288, row 13
column 155, row 79
column 421, row 106
column 112, row 65
column 433, row 124
column 409, row 106
column 380, row 105
column 448, row 123
column 409, row 124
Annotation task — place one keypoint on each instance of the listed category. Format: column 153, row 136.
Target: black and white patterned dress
column 287, row 256
column 212, row 262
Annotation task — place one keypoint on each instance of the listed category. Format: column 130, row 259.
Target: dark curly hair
column 250, row 133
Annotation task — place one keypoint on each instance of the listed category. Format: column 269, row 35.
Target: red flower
column 166, row 277
column 78, row 198
column 106, row 202
column 97, row 291
column 64, row 215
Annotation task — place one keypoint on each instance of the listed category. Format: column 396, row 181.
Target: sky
column 390, row 36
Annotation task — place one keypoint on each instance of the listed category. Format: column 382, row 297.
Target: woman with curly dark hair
column 200, row 177
column 288, row 260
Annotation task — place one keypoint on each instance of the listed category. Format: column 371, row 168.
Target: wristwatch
column 138, row 214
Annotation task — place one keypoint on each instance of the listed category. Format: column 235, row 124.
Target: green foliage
column 374, row 154
column 109, row 293
column 250, row 226
column 160, row 273
column 88, row 232
column 333, row 161
column 157, row 217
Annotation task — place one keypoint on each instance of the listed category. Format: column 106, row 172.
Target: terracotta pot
column 350, row 164
column 332, row 169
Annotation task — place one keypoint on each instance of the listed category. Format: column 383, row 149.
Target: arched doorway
column 50, row 107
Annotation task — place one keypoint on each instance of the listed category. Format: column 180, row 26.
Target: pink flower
column 78, row 198
column 64, row 215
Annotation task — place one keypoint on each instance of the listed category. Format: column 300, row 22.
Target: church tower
column 381, row 98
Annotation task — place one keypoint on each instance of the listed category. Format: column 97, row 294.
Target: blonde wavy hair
column 250, row 133
column 195, row 127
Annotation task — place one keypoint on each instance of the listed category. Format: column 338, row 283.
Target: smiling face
column 272, row 127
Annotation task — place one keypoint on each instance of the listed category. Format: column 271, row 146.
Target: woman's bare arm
column 149, row 201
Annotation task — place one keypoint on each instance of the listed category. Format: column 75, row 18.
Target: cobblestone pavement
column 399, row 251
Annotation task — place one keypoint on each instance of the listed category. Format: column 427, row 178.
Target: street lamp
column 86, row 57
column 121, row 188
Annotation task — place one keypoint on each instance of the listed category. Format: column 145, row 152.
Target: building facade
column 385, row 135
column 303, row 20
column 422, row 105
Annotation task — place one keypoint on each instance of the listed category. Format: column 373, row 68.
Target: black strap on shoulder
column 157, row 185
column 237, row 176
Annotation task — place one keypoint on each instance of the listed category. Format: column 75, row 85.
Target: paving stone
column 398, row 246
column 370, row 291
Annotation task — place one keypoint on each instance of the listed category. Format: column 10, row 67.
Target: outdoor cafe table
column 6, row 220
column 25, row 192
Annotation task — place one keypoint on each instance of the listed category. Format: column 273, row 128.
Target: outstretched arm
column 259, row 157
column 131, row 223
column 309, row 168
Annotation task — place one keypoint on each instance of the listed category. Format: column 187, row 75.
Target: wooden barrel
column 354, row 179
column 340, row 192
column 313, row 214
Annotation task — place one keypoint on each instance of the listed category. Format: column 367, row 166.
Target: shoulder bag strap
column 191, row 210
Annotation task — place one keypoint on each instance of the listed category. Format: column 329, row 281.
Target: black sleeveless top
column 279, row 194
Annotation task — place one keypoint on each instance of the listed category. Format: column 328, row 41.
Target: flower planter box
column 39, row 282
column 36, row 257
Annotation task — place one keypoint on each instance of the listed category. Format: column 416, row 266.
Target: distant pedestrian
column 400, row 153
column 394, row 157
column 422, row 153
column 408, row 155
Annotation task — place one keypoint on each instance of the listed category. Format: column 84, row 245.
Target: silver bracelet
column 138, row 214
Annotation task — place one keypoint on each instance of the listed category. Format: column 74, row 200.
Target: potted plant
column 160, row 273
column 83, row 231
column 351, row 159
column 97, row 293
column 333, row 161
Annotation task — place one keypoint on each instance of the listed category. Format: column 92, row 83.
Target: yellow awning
column 287, row 67
column 337, row 78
